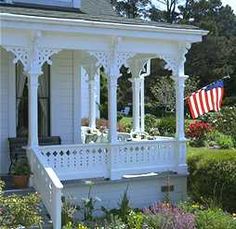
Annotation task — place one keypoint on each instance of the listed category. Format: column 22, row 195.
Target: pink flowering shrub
column 168, row 216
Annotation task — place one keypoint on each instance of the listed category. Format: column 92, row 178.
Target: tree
column 131, row 8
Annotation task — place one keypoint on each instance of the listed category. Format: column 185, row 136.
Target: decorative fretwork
column 112, row 60
column 102, row 58
column 176, row 62
column 32, row 58
column 21, row 54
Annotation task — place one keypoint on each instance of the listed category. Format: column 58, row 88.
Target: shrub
column 150, row 122
column 220, row 139
column 166, row 126
column 135, row 220
column 213, row 176
column 224, row 121
column 197, row 131
column 17, row 211
column 164, row 215
column 214, row 219
column 207, row 218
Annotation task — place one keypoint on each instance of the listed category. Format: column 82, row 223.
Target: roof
column 90, row 10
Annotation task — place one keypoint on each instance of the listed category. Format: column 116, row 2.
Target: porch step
column 10, row 190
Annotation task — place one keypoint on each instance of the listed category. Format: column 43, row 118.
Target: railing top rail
column 103, row 145
column 56, row 182
column 50, row 172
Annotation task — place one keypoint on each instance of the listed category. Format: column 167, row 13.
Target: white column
column 92, row 102
column 33, row 108
column 180, row 134
column 112, row 108
column 136, row 103
column 142, row 105
column 179, row 84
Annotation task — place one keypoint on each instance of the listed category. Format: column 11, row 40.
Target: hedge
column 212, row 175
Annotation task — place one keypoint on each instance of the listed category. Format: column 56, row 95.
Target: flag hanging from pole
column 208, row 98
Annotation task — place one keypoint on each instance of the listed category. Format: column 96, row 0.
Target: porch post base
column 182, row 169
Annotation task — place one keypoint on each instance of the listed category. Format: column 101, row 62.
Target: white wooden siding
column 4, row 110
column 62, row 96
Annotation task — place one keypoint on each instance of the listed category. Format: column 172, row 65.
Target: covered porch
column 95, row 44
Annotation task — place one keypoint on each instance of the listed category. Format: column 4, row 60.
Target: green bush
column 17, row 211
column 213, row 176
column 214, row 219
column 150, row 122
column 217, row 138
column 209, row 218
column 224, row 121
column 135, row 220
column 166, row 126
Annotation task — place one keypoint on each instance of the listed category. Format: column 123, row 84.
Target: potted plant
column 20, row 173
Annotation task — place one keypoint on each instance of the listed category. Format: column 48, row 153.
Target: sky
column 232, row 3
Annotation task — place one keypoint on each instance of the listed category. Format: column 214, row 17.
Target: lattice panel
column 81, row 158
column 144, row 154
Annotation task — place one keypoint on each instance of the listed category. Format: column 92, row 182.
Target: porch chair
column 125, row 111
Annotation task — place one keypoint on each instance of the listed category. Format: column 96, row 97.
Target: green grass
column 192, row 151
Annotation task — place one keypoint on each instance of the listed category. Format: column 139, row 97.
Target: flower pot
column 20, row 181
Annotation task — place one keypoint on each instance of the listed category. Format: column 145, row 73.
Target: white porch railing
column 111, row 161
column 48, row 185
column 144, row 157
column 78, row 161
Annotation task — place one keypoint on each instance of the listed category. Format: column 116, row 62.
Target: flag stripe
column 206, row 99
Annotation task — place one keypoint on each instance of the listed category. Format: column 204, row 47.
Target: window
column 22, row 102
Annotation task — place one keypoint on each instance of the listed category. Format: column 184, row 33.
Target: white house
column 50, row 45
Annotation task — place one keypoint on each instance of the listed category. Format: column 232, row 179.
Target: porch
column 114, row 45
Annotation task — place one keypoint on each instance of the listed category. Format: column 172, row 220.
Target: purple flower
column 173, row 216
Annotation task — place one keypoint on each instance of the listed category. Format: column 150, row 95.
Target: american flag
column 208, row 98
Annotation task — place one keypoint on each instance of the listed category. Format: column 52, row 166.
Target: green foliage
column 126, row 122
column 214, row 219
column 70, row 225
column 215, row 138
column 68, row 211
column 124, row 207
column 150, row 122
column 135, row 220
column 224, row 121
column 166, row 126
column 88, row 204
column 213, row 176
column 114, row 222
column 103, row 106
column 19, row 211
column 209, row 217
column 20, row 167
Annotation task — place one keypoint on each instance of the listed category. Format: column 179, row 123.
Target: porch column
column 92, row 102
column 112, row 107
column 136, row 103
column 33, row 108
column 179, row 84
column 142, row 105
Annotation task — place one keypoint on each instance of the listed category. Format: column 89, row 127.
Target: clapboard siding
column 62, row 96
column 4, row 111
